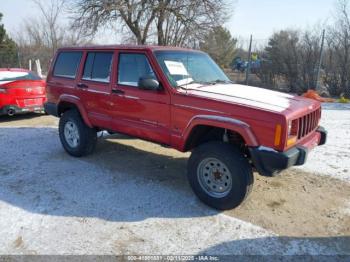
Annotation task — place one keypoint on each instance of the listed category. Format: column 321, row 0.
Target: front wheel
column 220, row 175
column 76, row 137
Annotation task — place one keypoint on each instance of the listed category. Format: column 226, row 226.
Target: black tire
column 238, row 166
column 87, row 135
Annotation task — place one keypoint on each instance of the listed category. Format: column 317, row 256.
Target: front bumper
column 269, row 162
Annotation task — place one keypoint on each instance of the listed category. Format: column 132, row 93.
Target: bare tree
column 183, row 22
column 292, row 56
column 173, row 22
column 40, row 36
column 332, row 77
column 339, row 53
column 136, row 15
column 309, row 55
column 50, row 29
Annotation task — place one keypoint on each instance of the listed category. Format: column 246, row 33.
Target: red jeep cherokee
column 182, row 99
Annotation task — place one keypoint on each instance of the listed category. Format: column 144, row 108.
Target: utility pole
column 19, row 59
column 249, row 61
column 320, row 61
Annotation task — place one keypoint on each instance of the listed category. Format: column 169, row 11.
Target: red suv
column 182, row 99
column 20, row 91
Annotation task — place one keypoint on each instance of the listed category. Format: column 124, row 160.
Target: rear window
column 98, row 66
column 14, row 76
column 67, row 64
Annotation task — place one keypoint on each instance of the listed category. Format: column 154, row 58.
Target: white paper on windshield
column 176, row 68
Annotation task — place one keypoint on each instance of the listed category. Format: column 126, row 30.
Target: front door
column 138, row 112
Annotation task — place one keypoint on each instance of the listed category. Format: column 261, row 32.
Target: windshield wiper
column 220, row 81
column 188, row 83
column 203, row 83
column 193, row 82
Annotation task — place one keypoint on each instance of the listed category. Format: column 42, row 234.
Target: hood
column 252, row 96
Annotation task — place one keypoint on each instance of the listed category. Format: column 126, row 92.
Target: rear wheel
column 220, row 175
column 76, row 137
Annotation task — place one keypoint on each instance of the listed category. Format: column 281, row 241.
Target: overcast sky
column 258, row 17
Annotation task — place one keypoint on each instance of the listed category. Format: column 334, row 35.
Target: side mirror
column 148, row 83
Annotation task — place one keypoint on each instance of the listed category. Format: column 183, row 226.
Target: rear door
column 94, row 88
column 138, row 112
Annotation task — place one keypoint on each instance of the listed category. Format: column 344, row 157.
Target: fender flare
column 77, row 102
column 228, row 123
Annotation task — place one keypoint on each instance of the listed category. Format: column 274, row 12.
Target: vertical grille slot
column 308, row 123
column 304, row 126
column 300, row 128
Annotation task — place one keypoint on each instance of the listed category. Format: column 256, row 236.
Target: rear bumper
column 269, row 162
column 51, row 109
column 20, row 110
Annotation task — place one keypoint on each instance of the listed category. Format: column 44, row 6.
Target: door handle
column 55, row 83
column 118, row 91
column 81, row 85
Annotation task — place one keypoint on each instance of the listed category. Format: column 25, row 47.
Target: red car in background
column 20, row 91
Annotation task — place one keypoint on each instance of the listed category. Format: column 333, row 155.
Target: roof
column 130, row 47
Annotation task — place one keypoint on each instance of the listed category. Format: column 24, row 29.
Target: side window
column 67, row 64
column 132, row 67
column 98, row 66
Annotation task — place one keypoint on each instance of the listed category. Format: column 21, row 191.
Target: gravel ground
column 132, row 197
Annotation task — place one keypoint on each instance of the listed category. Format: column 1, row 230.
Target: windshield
column 185, row 67
column 17, row 75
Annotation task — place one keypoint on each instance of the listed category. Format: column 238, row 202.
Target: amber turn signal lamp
column 291, row 140
column 278, row 133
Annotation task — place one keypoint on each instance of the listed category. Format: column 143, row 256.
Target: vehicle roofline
column 128, row 47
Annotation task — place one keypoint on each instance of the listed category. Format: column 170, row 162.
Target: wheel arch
column 215, row 127
column 68, row 102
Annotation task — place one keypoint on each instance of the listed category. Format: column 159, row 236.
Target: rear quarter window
column 67, row 64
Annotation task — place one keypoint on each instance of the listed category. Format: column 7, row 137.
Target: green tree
column 8, row 48
column 220, row 45
column 283, row 53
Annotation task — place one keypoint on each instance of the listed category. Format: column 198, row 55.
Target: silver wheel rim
column 71, row 134
column 214, row 177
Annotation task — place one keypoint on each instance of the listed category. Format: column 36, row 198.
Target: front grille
column 308, row 123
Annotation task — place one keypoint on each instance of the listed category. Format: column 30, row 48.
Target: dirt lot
column 132, row 197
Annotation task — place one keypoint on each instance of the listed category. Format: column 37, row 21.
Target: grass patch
column 343, row 100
